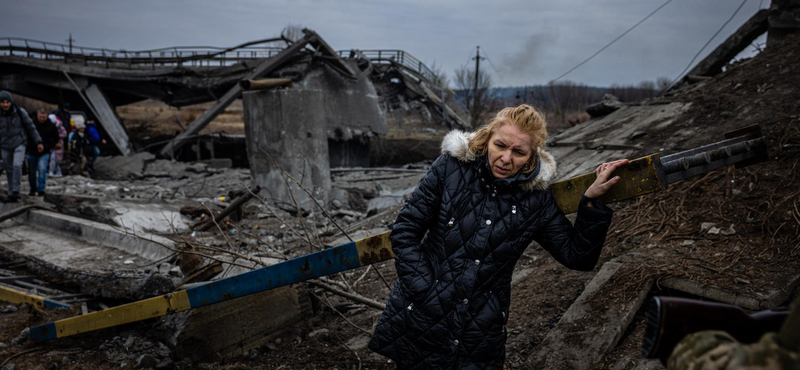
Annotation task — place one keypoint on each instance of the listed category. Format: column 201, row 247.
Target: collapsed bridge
column 98, row 80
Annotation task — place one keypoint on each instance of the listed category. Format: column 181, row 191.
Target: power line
column 492, row 63
column 613, row 41
column 703, row 48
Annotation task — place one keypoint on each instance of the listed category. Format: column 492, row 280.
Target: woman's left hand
column 603, row 183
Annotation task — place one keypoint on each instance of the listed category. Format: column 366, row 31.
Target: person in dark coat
column 93, row 150
column 65, row 116
column 16, row 130
column 38, row 161
column 457, row 239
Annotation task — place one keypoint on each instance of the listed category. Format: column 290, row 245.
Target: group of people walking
column 41, row 141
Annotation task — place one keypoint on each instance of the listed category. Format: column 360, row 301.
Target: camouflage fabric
column 709, row 350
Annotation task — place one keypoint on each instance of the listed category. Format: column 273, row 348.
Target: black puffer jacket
column 449, row 306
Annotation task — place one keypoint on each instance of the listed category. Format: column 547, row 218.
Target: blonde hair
column 526, row 118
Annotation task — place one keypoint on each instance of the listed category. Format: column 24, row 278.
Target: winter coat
column 48, row 132
column 449, row 306
column 62, row 134
column 16, row 127
column 65, row 117
column 79, row 144
column 92, row 134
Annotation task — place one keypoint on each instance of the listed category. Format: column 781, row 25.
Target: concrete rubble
column 133, row 230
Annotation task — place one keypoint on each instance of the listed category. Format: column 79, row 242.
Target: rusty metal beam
column 266, row 83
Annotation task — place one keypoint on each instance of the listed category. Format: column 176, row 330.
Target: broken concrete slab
column 144, row 245
column 150, row 218
column 108, row 283
column 382, row 202
column 208, row 332
column 123, row 167
column 614, row 129
column 608, row 105
column 589, row 329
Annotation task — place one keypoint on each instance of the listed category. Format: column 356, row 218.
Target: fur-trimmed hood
column 456, row 144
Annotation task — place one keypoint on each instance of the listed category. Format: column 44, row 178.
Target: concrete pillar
column 291, row 127
column 108, row 119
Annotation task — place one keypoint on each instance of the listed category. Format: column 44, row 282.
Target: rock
column 197, row 167
column 194, row 211
column 714, row 230
column 608, row 105
column 164, row 268
column 66, row 360
column 687, row 243
column 735, row 192
column 3, row 345
column 132, row 349
column 729, row 231
column 705, row 226
column 22, row 337
column 145, row 361
column 176, row 272
column 165, row 365
column 382, row 202
column 318, row 332
column 122, row 167
column 10, row 366
column 9, row 309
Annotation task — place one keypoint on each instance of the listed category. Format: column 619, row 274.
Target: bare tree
column 662, row 83
column 566, row 96
column 647, row 89
column 439, row 72
column 482, row 106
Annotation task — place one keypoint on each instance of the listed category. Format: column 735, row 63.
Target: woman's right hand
column 602, row 183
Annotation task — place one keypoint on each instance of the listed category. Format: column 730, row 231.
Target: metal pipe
column 266, row 83
column 707, row 157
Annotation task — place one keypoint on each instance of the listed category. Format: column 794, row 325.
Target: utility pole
column 70, row 40
column 475, row 90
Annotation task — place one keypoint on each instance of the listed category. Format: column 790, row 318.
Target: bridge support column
column 108, row 119
column 291, row 126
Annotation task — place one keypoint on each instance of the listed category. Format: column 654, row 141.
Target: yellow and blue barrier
column 15, row 296
column 344, row 257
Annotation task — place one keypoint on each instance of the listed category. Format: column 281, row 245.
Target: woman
column 481, row 204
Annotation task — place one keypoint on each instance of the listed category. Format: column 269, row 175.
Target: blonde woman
column 457, row 239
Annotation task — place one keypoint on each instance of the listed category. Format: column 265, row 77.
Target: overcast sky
column 527, row 41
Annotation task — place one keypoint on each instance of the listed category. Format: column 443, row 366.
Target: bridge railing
column 411, row 64
column 194, row 56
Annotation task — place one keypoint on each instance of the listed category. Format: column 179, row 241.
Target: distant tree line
column 563, row 100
